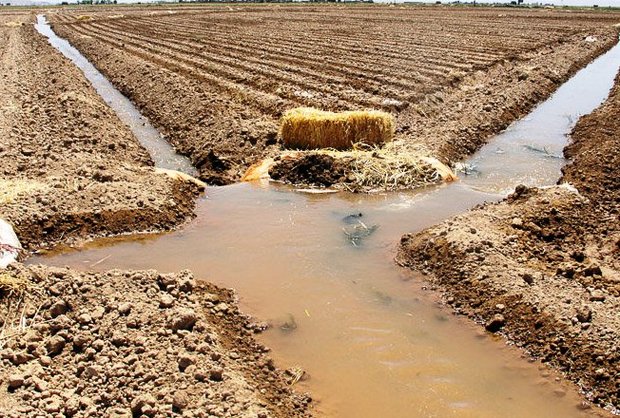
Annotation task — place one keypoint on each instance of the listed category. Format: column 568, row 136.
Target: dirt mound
column 543, row 266
column 134, row 343
column 70, row 169
column 310, row 170
column 594, row 146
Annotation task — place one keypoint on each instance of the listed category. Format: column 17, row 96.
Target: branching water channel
column 372, row 340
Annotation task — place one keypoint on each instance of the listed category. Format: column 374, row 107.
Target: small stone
column 59, row 308
column 186, row 284
column 185, row 361
column 72, row 406
column 55, row 345
column 22, row 358
column 39, row 384
column 82, row 340
column 597, row 296
column 15, row 381
column 119, row 338
column 98, row 345
column 85, row 319
column 91, row 371
column 584, row 314
column 98, row 312
column 528, row 278
column 216, row 375
column 517, row 222
column 211, row 297
column 142, row 404
column 182, row 319
column 124, row 308
column 496, row 323
column 200, row 376
column 592, row 271
column 166, row 301
column 180, row 401
column 222, row 307
column 167, row 281
column 53, row 407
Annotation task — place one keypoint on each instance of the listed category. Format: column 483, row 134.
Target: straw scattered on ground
column 10, row 189
column 362, row 169
column 392, row 167
column 17, row 294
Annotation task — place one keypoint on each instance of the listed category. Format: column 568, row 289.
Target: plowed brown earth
column 216, row 80
column 60, row 177
column 134, row 344
column 115, row 344
column 543, row 266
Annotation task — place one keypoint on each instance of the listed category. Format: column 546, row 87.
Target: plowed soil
column 122, row 343
column 60, row 177
column 216, row 80
column 134, row 344
column 543, row 266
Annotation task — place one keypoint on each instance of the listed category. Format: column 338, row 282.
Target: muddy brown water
column 372, row 339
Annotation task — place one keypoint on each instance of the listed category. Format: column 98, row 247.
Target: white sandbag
column 9, row 244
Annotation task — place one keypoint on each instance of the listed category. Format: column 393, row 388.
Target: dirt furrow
column 257, row 76
column 338, row 64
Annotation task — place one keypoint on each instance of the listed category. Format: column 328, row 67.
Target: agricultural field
column 63, row 182
column 216, row 80
column 223, row 84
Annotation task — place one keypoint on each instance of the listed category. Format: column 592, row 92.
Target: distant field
column 230, row 71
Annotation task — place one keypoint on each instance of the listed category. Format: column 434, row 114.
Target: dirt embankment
column 133, row 343
column 69, row 168
column 543, row 266
column 121, row 343
column 217, row 82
